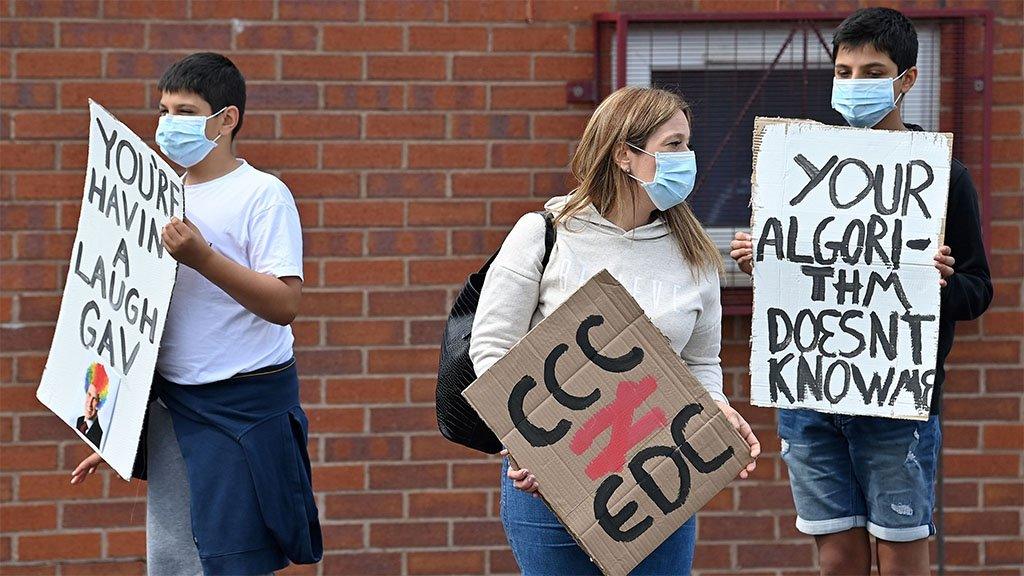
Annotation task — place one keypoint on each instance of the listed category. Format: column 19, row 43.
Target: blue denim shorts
column 859, row 471
column 543, row 547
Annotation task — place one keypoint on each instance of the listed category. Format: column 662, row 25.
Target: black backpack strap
column 549, row 237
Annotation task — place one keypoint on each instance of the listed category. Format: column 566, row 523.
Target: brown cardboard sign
column 625, row 443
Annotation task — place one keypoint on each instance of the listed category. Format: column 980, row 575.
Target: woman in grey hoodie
column 627, row 215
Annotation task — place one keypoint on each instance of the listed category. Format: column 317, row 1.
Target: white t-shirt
column 250, row 217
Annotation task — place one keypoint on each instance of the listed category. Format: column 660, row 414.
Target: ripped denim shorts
column 860, row 471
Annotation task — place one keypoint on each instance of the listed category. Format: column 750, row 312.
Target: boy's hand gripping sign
column 112, row 314
column 625, row 443
column 846, row 223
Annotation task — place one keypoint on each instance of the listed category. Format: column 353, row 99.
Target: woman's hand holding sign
column 521, row 478
column 741, row 426
column 944, row 262
column 85, row 468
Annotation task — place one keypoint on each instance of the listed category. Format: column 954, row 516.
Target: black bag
column 455, row 417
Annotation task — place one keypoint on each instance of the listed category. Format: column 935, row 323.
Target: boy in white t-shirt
column 224, row 445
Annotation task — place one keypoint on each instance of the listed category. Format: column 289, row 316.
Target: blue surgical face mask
column 864, row 101
column 183, row 138
column 674, row 176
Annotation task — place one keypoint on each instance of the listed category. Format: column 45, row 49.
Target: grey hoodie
column 517, row 294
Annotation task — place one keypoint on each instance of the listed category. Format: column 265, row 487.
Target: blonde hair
column 631, row 115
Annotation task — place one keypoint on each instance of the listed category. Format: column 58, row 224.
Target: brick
column 408, row 534
column 435, row 447
column 58, row 64
column 413, row 302
column 476, row 475
column 576, row 10
column 331, row 304
column 482, row 533
column 742, row 528
column 354, row 449
column 491, row 184
column 101, row 35
column 405, row 184
column 322, row 67
column 447, row 155
column 321, row 184
column 317, row 10
column 528, row 97
column 66, row 8
column 362, row 38
column 990, row 351
column 148, row 65
column 403, row 418
column 63, row 546
column 563, row 68
column 335, row 420
column 365, row 391
column 44, row 428
column 365, row 333
column 1004, row 494
column 490, row 126
column 320, row 126
column 985, row 523
column 974, row 465
column 410, row 11
column 28, row 277
column 28, row 517
column 42, row 487
column 364, row 505
column 263, row 37
column 447, row 97
column 530, row 39
column 126, row 543
column 20, row 95
column 282, row 96
column 113, row 95
column 1004, row 379
column 364, row 214
column 362, row 155
column 773, row 555
column 141, row 9
column 191, row 35
column 26, row 34
column 1004, row 436
column 446, row 562
column 428, row 332
column 447, row 504
column 363, row 564
column 559, row 126
column 44, row 246
column 448, row 38
column 486, row 11
column 502, row 68
column 507, row 213
column 365, row 97
column 1004, row 552
column 103, row 515
column 406, row 67
column 327, row 362
column 274, row 155
column 254, row 10
column 442, row 271
column 364, row 272
column 524, row 155
column 408, row 476
column 317, row 243
column 405, row 361
column 343, row 536
column 404, row 126
column 18, row 155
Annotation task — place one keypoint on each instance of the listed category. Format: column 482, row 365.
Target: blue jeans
column 861, row 471
column 542, row 545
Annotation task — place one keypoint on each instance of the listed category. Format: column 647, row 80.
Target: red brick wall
column 413, row 134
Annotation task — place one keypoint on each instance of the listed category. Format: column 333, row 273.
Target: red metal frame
column 737, row 301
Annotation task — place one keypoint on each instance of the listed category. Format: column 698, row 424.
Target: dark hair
column 210, row 76
column 887, row 30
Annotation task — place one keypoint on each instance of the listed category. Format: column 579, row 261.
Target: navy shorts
column 860, row 471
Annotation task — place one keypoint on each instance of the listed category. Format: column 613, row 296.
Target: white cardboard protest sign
column 625, row 443
column 846, row 222
column 118, row 288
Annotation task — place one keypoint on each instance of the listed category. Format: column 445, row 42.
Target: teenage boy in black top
column 854, row 476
